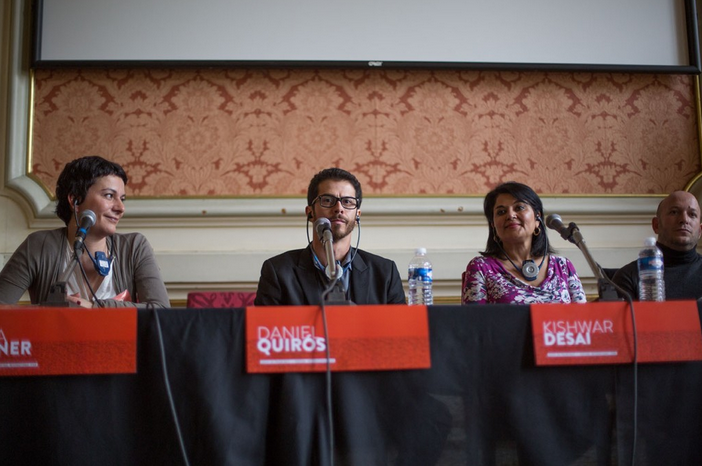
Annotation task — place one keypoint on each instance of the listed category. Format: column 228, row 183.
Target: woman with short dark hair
column 518, row 264
column 115, row 270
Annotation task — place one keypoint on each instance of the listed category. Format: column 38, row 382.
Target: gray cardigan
column 37, row 264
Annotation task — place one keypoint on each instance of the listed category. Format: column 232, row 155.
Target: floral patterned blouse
column 487, row 281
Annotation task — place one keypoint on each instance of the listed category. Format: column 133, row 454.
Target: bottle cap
column 650, row 241
column 420, row 251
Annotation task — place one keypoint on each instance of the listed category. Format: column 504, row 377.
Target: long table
column 483, row 402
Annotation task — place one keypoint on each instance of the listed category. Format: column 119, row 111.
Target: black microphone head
column 554, row 221
column 320, row 225
column 87, row 219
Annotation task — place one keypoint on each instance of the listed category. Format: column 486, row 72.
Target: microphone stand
column 335, row 293
column 605, row 289
column 57, row 292
column 337, row 296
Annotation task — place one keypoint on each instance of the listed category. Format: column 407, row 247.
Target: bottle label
column 423, row 274
column 650, row 264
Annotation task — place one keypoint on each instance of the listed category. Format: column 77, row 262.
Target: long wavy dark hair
column 77, row 177
column 540, row 244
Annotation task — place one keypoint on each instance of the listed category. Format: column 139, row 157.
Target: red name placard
column 602, row 332
column 53, row 341
column 291, row 338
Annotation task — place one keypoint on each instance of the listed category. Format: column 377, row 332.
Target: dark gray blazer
column 291, row 278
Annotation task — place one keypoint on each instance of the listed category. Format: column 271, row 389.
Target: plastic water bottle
column 651, row 283
column 419, row 276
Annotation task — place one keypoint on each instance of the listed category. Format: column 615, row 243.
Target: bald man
column 677, row 224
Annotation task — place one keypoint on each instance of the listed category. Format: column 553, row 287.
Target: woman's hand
column 76, row 298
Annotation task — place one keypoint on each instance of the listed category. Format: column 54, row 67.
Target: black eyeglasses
column 328, row 201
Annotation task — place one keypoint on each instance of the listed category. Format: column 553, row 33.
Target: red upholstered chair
column 226, row 299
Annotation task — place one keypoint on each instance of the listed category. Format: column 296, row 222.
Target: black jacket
column 291, row 278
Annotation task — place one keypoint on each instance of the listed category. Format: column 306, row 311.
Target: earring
column 537, row 231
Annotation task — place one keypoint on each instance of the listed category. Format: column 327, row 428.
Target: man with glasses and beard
column 298, row 277
column 382, row 416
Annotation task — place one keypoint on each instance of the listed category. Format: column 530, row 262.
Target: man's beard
column 338, row 235
column 684, row 243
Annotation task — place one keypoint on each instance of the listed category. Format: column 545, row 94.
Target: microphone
column 555, row 222
column 87, row 220
column 572, row 233
column 323, row 228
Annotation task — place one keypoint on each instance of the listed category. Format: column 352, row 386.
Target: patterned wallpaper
column 254, row 132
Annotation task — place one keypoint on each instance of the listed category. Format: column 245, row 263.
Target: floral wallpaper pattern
column 265, row 132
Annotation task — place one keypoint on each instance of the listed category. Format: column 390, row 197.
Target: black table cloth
column 483, row 402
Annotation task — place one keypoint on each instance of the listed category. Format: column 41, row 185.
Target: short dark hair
column 77, row 177
column 521, row 192
column 336, row 174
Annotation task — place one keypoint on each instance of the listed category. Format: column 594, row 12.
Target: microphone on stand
column 87, row 220
column 58, row 289
column 572, row 233
column 555, row 222
column 323, row 228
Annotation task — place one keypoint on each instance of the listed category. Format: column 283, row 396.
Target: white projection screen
column 611, row 35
